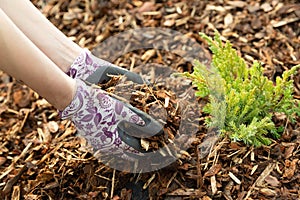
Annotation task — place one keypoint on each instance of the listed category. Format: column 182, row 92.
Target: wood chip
column 290, row 168
column 149, row 181
column 2, row 160
column 238, row 4
column 148, row 54
column 169, row 22
column 147, row 7
column 213, row 184
column 277, row 24
column 266, row 7
column 272, row 181
column 53, row 126
column 145, row 144
column 268, row 192
column 16, row 193
column 254, row 168
column 228, row 19
column 234, row 178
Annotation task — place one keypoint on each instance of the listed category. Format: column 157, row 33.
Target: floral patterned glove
column 110, row 126
column 96, row 116
column 86, row 64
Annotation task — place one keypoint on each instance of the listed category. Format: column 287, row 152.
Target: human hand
column 107, row 123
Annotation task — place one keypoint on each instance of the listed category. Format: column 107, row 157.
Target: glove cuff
column 76, row 103
column 85, row 64
column 82, row 66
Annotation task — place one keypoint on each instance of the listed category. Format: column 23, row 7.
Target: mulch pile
column 42, row 158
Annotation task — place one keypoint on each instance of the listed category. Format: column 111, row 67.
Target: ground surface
column 41, row 157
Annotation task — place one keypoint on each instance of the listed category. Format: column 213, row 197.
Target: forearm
column 20, row 58
column 50, row 40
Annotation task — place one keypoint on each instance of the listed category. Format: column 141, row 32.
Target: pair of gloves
column 109, row 125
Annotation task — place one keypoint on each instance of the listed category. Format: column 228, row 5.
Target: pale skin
column 45, row 53
column 50, row 40
column 20, row 58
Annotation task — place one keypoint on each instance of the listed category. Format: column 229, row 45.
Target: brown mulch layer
column 42, row 158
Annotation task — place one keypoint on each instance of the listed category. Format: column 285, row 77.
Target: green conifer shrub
column 242, row 101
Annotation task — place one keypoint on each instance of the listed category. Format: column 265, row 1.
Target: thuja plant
column 242, row 101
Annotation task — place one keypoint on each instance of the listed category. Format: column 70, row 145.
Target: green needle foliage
column 242, row 101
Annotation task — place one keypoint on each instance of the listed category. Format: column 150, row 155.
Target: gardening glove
column 122, row 125
column 101, row 120
column 86, row 65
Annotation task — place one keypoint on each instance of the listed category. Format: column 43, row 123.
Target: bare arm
column 50, row 40
column 20, row 58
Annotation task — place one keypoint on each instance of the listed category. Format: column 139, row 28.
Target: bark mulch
column 42, row 158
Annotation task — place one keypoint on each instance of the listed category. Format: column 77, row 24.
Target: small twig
column 261, row 178
column 286, row 124
column 180, row 184
column 12, row 181
column 9, row 91
column 139, row 176
column 149, row 181
column 15, row 160
column 111, row 94
column 103, row 177
column 171, row 180
column 46, row 156
column 199, row 174
column 27, row 111
column 112, row 184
